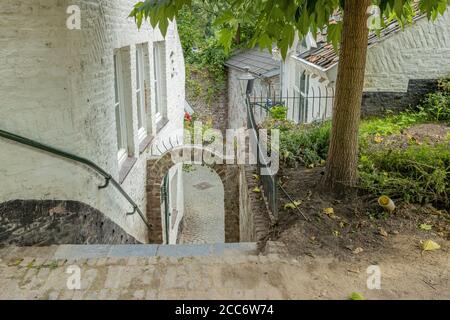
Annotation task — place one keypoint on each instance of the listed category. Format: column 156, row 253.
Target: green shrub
column 419, row 173
column 437, row 106
column 278, row 112
column 305, row 145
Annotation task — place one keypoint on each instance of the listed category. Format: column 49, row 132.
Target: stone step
column 71, row 252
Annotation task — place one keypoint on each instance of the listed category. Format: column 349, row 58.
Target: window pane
column 118, row 127
column 156, row 76
column 139, row 86
column 116, row 86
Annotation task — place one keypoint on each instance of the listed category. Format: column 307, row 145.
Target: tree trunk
column 237, row 38
column 342, row 162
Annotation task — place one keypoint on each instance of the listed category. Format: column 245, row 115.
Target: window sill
column 161, row 124
column 126, row 167
column 145, row 143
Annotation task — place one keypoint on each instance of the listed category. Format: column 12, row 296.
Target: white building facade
column 402, row 66
column 106, row 91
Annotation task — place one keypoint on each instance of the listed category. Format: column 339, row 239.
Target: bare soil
column 357, row 221
column 359, row 233
column 429, row 133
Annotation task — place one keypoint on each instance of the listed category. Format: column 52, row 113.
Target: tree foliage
column 277, row 21
column 199, row 36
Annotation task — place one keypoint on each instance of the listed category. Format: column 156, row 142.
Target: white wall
column 176, row 201
column 58, row 88
column 237, row 112
column 421, row 51
column 318, row 108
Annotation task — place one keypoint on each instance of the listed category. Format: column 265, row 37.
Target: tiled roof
column 260, row 63
column 325, row 56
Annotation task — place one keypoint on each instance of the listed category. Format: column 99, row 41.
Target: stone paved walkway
column 32, row 273
column 203, row 220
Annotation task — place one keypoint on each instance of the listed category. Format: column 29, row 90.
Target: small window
column 119, row 105
column 159, row 74
column 140, row 93
column 301, row 91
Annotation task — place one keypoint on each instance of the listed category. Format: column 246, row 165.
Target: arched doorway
column 158, row 168
column 204, row 212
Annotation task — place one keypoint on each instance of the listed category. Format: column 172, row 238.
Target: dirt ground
column 430, row 133
column 357, row 232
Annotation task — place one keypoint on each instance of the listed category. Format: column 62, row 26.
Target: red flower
column 187, row 117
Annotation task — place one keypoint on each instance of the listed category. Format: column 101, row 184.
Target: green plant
column 278, row 112
column 306, row 145
column 437, row 106
column 419, row 173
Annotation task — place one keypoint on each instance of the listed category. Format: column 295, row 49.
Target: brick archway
column 157, row 168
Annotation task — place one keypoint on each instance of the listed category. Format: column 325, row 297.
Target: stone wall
column 237, row 113
column 58, row 88
column 254, row 218
column 376, row 103
column 44, row 223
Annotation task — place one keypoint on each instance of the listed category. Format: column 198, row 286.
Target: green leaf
column 425, row 226
column 356, row 296
column 225, row 38
column 334, row 33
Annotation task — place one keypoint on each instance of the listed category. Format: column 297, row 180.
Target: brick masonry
column 255, row 220
column 158, row 168
column 52, row 222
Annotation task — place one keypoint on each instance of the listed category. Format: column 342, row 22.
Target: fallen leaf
column 430, row 245
column 328, row 211
column 383, row 232
column 425, row 226
column 354, row 270
column 255, row 176
column 336, row 233
column 293, row 205
column 358, row 250
column 256, row 189
column 378, row 138
column 356, row 296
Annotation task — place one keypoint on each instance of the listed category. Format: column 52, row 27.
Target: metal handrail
column 108, row 178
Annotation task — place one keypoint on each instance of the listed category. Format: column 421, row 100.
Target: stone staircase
column 210, row 271
column 76, row 252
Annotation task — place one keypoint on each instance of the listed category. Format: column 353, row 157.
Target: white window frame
column 159, row 78
column 119, row 106
column 140, row 93
column 301, row 87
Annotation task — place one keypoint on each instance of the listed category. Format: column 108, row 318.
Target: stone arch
column 228, row 173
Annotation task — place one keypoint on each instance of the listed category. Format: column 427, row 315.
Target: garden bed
column 404, row 156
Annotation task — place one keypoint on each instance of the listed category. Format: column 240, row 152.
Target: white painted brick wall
column 58, row 88
column 421, row 51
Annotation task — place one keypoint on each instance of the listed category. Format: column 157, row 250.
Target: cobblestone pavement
column 227, row 276
column 204, row 215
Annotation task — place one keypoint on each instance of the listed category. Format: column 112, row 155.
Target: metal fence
column 314, row 106
column 268, row 181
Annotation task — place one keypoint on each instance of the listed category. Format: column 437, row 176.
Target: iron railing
column 268, row 181
column 108, row 178
column 314, row 106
